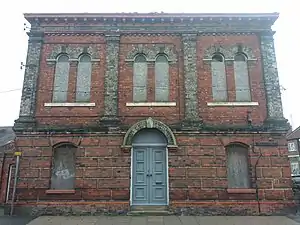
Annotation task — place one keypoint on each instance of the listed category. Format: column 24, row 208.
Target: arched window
column 63, row 167
column 241, row 77
column 140, row 71
column 237, row 166
column 83, row 84
column 161, row 79
column 219, row 83
column 61, row 79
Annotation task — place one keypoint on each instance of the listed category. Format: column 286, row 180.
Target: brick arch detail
column 229, row 51
column 149, row 123
column 73, row 52
column 151, row 52
column 57, row 141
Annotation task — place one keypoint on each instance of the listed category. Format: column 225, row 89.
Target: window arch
column 219, row 82
column 241, row 76
column 63, row 167
column 237, row 166
column 140, row 73
column 161, row 79
column 83, row 84
column 61, row 79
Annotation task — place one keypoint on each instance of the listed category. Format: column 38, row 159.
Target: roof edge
column 274, row 15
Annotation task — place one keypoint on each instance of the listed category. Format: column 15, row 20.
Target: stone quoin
column 157, row 109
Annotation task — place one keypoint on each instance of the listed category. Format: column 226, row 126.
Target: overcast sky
column 14, row 39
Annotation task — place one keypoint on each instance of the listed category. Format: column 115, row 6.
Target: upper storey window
column 241, row 76
column 83, row 84
column 140, row 71
column 161, row 79
column 61, row 79
column 219, row 83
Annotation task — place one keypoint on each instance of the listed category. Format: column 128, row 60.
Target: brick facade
column 197, row 133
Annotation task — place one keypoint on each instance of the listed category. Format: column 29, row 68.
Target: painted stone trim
column 73, row 52
column 69, row 104
column 151, row 52
column 149, row 123
column 28, row 99
column 147, row 104
column 229, row 52
column 111, row 77
column 232, row 104
column 271, row 79
column 190, row 76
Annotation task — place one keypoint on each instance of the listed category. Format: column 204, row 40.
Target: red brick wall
column 129, row 115
column 233, row 115
column 197, row 170
column 70, row 115
column 167, row 114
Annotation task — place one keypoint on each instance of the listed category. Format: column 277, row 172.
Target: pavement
column 14, row 220
column 163, row 220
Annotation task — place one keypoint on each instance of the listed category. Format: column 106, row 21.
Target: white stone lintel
column 232, row 104
column 69, row 104
column 151, row 104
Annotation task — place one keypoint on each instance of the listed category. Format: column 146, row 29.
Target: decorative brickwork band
column 110, row 117
column 189, row 42
column 149, row 123
column 271, row 79
column 28, row 100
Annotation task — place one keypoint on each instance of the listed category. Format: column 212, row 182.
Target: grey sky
column 14, row 39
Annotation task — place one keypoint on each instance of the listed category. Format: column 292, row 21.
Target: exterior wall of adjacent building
column 293, row 154
column 207, row 111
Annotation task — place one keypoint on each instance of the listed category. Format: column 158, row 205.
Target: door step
column 149, row 211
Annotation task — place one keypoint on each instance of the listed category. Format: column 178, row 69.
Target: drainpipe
column 17, row 154
column 10, row 168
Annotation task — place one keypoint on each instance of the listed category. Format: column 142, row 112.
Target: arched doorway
column 149, row 178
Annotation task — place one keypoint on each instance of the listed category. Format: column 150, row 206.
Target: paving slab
column 163, row 220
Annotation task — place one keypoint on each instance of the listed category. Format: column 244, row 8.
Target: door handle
column 158, row 182
column 149, row 175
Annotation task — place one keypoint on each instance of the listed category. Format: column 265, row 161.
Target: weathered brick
column 272, row 172
column 214, row 183
column 120, row 194
column 97, row 151
column 97, row 172
column 201, row 172
column 274, row 194
column 196, row 194
column 121, row 172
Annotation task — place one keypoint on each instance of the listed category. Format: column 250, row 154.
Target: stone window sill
column 151, row 104
column 69, row 104
column 232, row 104
column 54, row 191
column 241, row 191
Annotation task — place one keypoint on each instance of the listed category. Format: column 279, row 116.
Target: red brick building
column 176, row 110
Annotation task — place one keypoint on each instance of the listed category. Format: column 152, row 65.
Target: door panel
column 140, row 182
column 149, row 176
column 158, row 179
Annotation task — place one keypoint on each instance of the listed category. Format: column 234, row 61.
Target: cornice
column 265, row 19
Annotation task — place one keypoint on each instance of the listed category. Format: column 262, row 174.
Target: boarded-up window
column 241, row 77
column 237, row 166
column 161, row 79
column 83, row 84
column 140, row 71
column 63, row 168
column 219, row 84
column 61, row 79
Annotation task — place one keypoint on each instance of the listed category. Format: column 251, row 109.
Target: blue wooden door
column 149, row 176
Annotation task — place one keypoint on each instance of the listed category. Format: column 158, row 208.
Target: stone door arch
column 149, row 176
